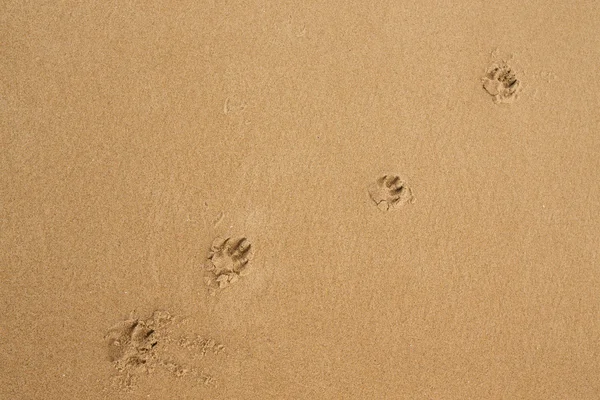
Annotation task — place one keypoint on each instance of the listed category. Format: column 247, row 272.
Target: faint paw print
column 390, row 191
column 228, row 260
column 501, row 83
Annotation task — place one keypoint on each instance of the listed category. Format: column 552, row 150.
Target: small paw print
column 130, row 343
column 228, row 261
column 390, row 191
column 500, row 81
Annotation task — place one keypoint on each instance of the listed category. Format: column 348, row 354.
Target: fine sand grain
column 299, row 200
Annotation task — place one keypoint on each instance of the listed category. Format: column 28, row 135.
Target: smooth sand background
column 127, row 127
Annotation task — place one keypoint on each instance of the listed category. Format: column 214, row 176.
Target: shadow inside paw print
column 228, row 260
column 501, row 82
column 390, row 191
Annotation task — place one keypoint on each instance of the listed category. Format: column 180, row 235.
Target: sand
column 299, row 200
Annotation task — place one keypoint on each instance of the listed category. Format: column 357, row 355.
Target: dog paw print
column 390, row 191
column 132, row 346
column 138, row 347
column 501, row 82
column 228, row 261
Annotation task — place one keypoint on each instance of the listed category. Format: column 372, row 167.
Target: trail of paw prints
column 228, row 260
column 138, row 347
column 500, row 81
column 390, row 192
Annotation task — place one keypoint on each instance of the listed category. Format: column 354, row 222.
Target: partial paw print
column 227, row 262
column 501, row 82
column 138, row 347
column 390, row 191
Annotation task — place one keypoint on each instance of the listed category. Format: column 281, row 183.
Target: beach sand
column 299, row 200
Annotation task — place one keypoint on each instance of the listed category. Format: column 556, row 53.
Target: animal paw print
column 130, row 344
column 228, row 261
column 501, row 83
column 390, row 191
column 138, row 347
column 132, row 347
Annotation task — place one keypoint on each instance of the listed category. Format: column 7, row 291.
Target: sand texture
column 300, row 200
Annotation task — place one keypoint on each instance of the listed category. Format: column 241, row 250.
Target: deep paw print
column 132, row 347
column 138, row 347
column 390, row 191
column 130, row 344
column 228, row 261
column 501, row 82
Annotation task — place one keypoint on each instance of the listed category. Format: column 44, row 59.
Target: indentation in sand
column 138, row 347
column 501, row 82
column 390, row 191
column 227, row 262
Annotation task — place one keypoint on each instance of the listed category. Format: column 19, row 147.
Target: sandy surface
column 417, row 187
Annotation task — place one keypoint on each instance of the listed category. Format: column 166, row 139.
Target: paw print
column 131, row 343
column 501, row 83
column 228, row 260
column 139, row 347
column 390, row 191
